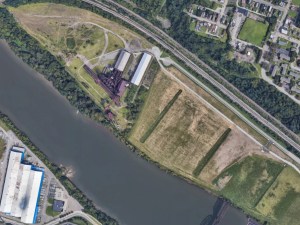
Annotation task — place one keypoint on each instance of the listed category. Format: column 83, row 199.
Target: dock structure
column 141, row 69
column 22, row 188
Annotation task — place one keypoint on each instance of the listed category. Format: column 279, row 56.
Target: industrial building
column 141, row 69
column 111, row 79
column 22, row 187
column 122, row 60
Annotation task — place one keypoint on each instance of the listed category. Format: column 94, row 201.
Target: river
column 119, row 182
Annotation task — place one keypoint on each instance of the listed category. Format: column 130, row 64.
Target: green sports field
column 253, row 31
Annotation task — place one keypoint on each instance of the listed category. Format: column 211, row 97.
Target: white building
column 21, row 188
column 141, row 69
column 122, row 60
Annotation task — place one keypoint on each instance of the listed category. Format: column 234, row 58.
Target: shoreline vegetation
column 33, row 54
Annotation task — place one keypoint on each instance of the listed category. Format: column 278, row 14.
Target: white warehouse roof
column 122, row 60
column 32, row 195
column 10, row 181
column 21, row 199
column 21, row 188
column 141, row 69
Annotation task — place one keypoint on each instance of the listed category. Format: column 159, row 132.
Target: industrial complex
column 22, row 187
column 112, row 80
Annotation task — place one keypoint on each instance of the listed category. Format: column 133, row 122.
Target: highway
column 175, row 50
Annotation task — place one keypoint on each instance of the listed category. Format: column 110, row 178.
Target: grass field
column 50, row 212
column 205, row 160
column 296, row 2
column 249, row 180
column 253, row 31
column 281, row 202
column 160, row 117
column 3, row 125
column 114, row 43
column 293, row 14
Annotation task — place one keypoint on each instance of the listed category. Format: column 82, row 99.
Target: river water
column 117, row 180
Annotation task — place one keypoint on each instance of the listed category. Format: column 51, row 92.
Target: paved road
column 207, row 20
column 81, row 214
column 281, row 21
column 177, row 50
column 278, row 7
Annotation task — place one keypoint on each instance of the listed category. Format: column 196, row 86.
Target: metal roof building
column 141, row 69
column 21, row 188
column 122, row 60
column 29, row 213
column 11, row 179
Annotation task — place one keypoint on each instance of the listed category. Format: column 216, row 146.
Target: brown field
column 218, row 105
column 187, row 132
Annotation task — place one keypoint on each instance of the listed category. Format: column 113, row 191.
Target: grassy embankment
column 2, row 145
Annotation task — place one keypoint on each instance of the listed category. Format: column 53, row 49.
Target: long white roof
column 141, row 69
column 10, row 183
column 32, row 194
column 122, row 60
column 20, row 203
column 21, row 188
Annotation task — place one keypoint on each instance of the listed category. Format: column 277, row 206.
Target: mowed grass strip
column 160, row 117
column 203, row 162
column 253, row 31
